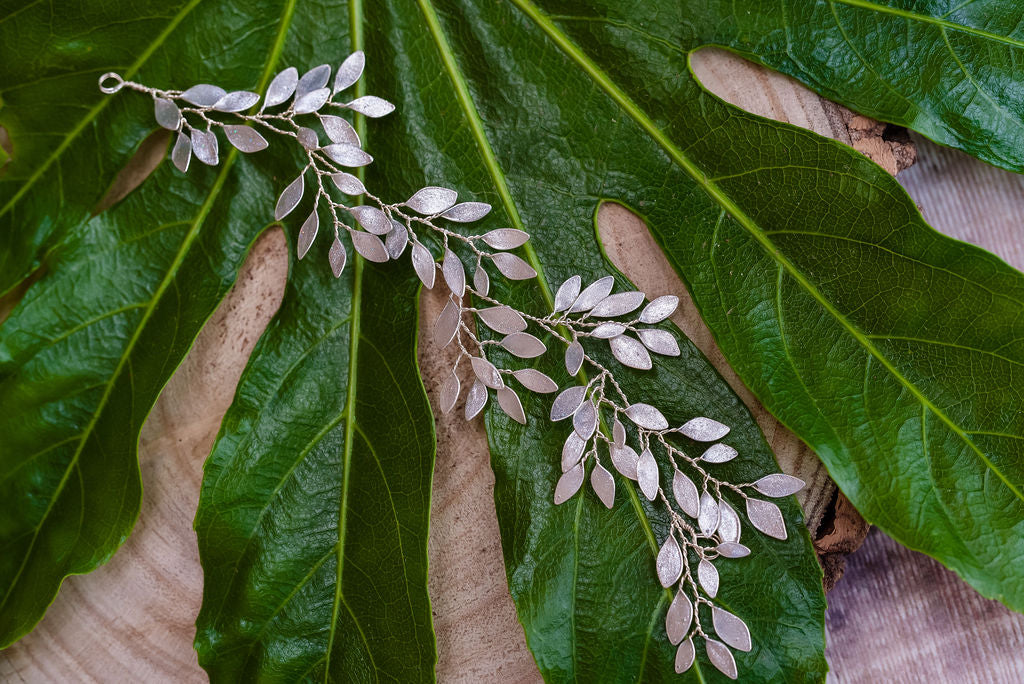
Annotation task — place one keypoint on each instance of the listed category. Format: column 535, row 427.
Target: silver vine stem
column 703, row 526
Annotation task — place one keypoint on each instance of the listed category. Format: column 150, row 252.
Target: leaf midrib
column 926, row 19
column 576, row 54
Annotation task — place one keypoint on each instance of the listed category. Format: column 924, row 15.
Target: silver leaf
column 766, row 516
column 396, row 240
column 203, row 95
column 372, row 219
column 678, row 618
column 604, row 485
column 204, row 145
column 371, row 106
column 447, row 324
column 281, row 88
column 721, row 657
column 506, row 238
column 311, row 102
column 509, row 402
column 686, row 494
column 584, row 421
column 646, row 416
column 348, row 184
column 467, row 212
column 290, row 198
column 481, row 281
column 337, row 257
column 349, row 71
column 486, row 372
column 314, row 79
column 308, row 138
column 567, row 293
column 625, row 460
column 707, row 519
column 630, row 353
column 618, row 432
column 594, row 293
column 607, row 331
column 369, row 246
column 670, row 562
column 569, row 483
column 707, row 575
column 659, row 341
column 732, row 550
column 513, row 267
column 659, row 309
column 779, row 484
column 449, row 393
column 167, row 114
column 454, row 274
column 423, row 264
column 704, row 430
column 339, row 130
column 719, row 453
column 730, row 629
column 237, row 101
column 574, row 357
column 308, row 233
column 685, row 656
column 566, row 403
column 182, row 153
column 476, row 399
column 524, row 345
column 617, row 304
column 647, row 474
column 245, row 138
column 502, row 319
column 535, row 381
column 432, row 200
column 572, row 450
column 728, row 523
column 347, row 155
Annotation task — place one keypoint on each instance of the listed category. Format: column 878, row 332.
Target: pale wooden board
column 131, row 620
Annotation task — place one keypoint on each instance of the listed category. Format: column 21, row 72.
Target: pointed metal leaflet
column 432, row 200
column 281, row 88
column 584, row 421
column 311, row 102
column 617, row 304
column 569, row 483
column 721, row 657
column 567, row 293
column 707, row 576
column 625, row 460
column 647, row 474
column 486, row 372
column 778, row 485
column 686, row 494
column 730, row 629
column 290, row 198
column 423, row 264
column 167, row 114
column 670, row 562
column 719, row 453
column 347, row 155
column 618, row 432
column 766, row 517
column 447, row 324
column 704, row 429
column 572, row 450
column 349, row 71
column 502, row 319
column 372, row 219
column 594, row 293
column 348, row 184
column 604, row 485
column 524, row 345
column 371, row 106
column 308, row 233
column 659, row 341
column 308, row 138
column 467, row 212
column 204, row 145
column 476, row 399
column 512, row 267
column 339, row 130
column 481, row 281
column 707, row 519
column 685, row 656
column 728, row 523
column 369, row 246
column 646, row 416
column 203, row 95
column 449, row 393
column 182, row 152
column 732, row 550
column 678, row 618
column 659, row 309
column 509, row 402
column 337, row 257
column 237, row 101
column 506, row 238
column 454, row 274
column 566, row 403
column 630, row 352
column 396, row 240
column 574, row 357
column 606, row 331
column 245, row 138
column 314, row 79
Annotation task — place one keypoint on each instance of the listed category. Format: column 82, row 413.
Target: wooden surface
column 896, row 616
